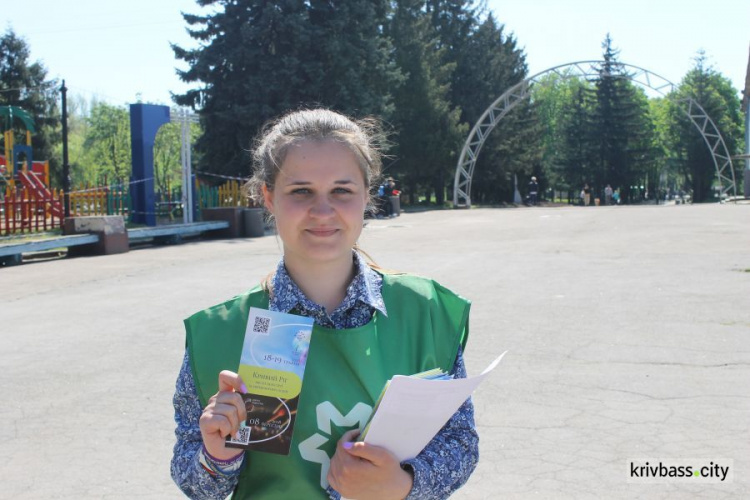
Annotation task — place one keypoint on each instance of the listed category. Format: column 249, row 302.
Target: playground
column 29, row 204
column 627, row 330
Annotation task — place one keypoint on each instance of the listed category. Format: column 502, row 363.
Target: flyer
column 272, row 366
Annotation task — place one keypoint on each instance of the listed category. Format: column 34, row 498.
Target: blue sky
column 115, row 50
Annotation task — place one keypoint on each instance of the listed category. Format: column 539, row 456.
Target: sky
column 117, row 51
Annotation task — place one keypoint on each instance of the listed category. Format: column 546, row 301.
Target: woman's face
column 318, row 202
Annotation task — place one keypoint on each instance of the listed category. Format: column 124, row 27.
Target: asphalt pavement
column 628, row 331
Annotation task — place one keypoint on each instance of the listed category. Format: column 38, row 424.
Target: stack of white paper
column 413, row 410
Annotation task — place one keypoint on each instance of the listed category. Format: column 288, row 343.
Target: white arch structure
column 586, row 69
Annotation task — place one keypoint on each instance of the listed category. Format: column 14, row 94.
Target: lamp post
column 65, row 165
column 747, row 145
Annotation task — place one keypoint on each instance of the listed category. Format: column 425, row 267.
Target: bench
column 11, row 253
column 174, row 232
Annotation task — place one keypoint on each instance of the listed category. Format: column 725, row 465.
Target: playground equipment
column 19, row 155
column 28, row 201
column 30, row 205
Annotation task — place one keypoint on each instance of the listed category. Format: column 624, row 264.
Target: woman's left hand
column 362, row 471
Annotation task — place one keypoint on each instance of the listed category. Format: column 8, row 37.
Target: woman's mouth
column 322, row 232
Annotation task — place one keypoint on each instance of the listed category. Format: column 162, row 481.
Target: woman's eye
column 301, row 191
column 341, row 190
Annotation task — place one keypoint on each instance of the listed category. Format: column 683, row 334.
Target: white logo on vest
column 310, row 450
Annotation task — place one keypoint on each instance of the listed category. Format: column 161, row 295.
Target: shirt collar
column 365, row 287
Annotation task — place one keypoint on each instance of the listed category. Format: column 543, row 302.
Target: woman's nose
column 321, row 207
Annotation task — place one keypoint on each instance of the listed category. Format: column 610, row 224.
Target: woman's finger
column 229, row 381
column 234, row 399
column 230, row 412
column 215, row 423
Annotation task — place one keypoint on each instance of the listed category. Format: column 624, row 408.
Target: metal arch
column 522, row 90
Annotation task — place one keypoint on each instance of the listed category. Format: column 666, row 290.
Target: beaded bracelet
column 215, row 466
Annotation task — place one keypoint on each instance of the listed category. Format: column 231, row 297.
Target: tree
column 108, row 141
column 427, row 123
column 491, row 64
column 577, row 154
column 350, row 63
column 82, row 169
column 715, row 94
column 259, row 59
column 167, row 159
column 563, row 115
column 24, row 84
column 622, row 128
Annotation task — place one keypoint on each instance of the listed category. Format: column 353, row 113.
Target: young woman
column 313, row 171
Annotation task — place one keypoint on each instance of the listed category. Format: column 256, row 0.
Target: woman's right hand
column 223, row 415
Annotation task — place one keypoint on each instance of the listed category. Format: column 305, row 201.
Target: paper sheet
column 414, row 410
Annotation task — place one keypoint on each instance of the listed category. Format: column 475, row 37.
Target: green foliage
column 564, row 108
column 599, row 132
column 259, row 59
column 492, row 63
column 167, row 159
column 719, row 99
column 578, row 152
column 108, row 141
column 427, row 67
column 428, row 124
column 24, row 84
column 99, row 146
column 622, row 129
column 81, row 171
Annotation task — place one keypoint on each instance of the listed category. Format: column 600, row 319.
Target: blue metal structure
column 145, row 120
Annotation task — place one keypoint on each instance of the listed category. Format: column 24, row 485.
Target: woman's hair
column 362, row 137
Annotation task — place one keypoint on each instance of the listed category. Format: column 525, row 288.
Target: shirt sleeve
column 449, row 459
column 187, row 472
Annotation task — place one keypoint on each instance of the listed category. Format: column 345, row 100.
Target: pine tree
column 427, row 124
column 259, row 59
column 715, row 94
column 577, row 153
column 249, row 66
column 489, row 65
column 622, row 128
column 350, row 59
column 24, row 84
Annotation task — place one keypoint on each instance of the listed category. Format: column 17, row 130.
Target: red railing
column 23, row 212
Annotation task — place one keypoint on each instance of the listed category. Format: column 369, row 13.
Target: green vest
column 345, row 373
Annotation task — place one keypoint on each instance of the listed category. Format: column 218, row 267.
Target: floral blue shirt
column 440, row 469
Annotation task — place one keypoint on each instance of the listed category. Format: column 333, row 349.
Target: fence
column 227, row 195
column 100, row 200
column 27, row 212
column 24, row 213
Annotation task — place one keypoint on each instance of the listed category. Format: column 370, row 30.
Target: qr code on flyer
column 242, row 436
column 262, row 325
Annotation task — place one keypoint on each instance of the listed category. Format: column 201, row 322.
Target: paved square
column 628, row 330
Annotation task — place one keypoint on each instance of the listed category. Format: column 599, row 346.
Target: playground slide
column 40, row 192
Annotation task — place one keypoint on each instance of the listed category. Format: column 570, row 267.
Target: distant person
column 608, row 195
column 388, row 188
column 586, row 195
column 533, row 192
column 381, row 202
column 616, row 196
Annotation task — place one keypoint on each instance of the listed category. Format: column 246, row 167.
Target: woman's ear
column 267, row 198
